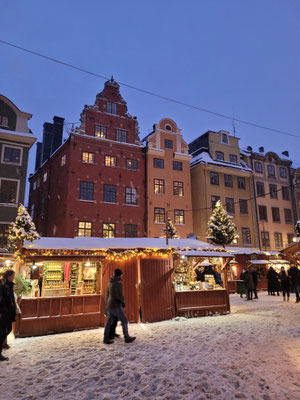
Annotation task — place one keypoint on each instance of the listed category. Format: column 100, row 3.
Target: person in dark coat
column 294, row 272
column 115, row 308
column 242, row 278
column 285, row 283
column 7, row 308
column 112, row 333
column 273, row 283
column 249, row 285
column 255, row 277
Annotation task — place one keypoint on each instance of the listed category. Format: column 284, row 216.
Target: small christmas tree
column 172, row 233
column 221, row 230
column 22, row 229
column 297, row 228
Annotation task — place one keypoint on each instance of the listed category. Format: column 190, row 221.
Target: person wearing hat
column 115, row 308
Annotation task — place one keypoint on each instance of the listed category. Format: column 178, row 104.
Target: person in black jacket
column 115, row 308
column 285, row 283
column 294, row 274
column 255, row 277
column 7, row 308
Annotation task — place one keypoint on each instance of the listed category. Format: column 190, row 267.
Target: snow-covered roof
column 263, row 262
column 24, row 137
column 199, row 253
column 204, row 157
column 279, row 262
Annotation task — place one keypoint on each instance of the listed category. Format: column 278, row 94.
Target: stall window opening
column 84, row 228
column 179, row 217
column 108, row 230
column 159, row 215
column 4, row 229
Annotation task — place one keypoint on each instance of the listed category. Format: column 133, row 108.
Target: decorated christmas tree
column 297, row 228
column 172, row 233
column 22, row 229
column 221, row 230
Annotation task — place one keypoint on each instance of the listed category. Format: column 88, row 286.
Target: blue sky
column 229, row 56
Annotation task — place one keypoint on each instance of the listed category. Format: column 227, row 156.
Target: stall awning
column 260, row 262
column 279, row 262
column 199, row 253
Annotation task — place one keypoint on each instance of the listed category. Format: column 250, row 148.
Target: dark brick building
column 94, row 183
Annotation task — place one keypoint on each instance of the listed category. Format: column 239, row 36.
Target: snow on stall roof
column 199, row 253
column 279, row 262
column 205, row 157
column 265, row 262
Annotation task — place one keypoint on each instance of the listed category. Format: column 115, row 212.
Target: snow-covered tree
column 172, row 233
column 297, row 228
column 221, row 230
column 22, row 229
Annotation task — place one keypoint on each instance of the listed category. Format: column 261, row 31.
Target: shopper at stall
column 273, row 283
column 285, row 284
column 40, row 283
column 241, row 285
column 217, row 276
column 255, row 277
column 115, row 308
column 294, row 274
column 249, row 284
column 7, row 308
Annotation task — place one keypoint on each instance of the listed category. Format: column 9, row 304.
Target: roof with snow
column 205, row 158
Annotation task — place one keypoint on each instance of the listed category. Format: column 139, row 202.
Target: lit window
column 110, row 194
column 121, row 135
column 131, row 230
column 111, row 108
column 158, row 163
column 84, row 228
column 233, row 158
column 45, row 177
column 8, row 191
column 131, row 164
column 110, row 161
column 100, row 131
column 12, row 155
column 178, row 188
column 246, row 234
column 159, row 215
column 179, row 217
column 282, row 172
column 86, row 191
column 220, row 155
column 63, row 160
column 177, row 165
column 130, row 196
column 108, row 230
column 88, row 158
column 159, row 186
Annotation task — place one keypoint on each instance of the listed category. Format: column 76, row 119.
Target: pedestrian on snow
column 242, row 278
column 115, row 308
column 255, row 277
column 112, row 333
column 249, row 285
column 273, row 283
column 294, row 274
column 285, row 283
column 7, row 308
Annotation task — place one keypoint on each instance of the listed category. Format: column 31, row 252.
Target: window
column 262, row 210
column 168, row 144
column 110, row 161
column 131, row 164
column 282, row 172
column 271, row 171
column 111, row 108
column 9, row 191
column 130, row 230
column 45, row 177
column 130, row 196
column 159, row 215
column 3, row 121
column 214, row 200
column 285, row 193
column 159, row 186
column 100, row 131
column 12, row 155
column 243, row 206
column 228, row 181
column 63, row 160
column 32, row 211
column 265, row 239
column 84, row 228
column 88, row 158
column 230, row 205
column 258, row 167
column 86, row 191
column 121, row 135
column 158, row 163
column 224, row 138
column 233, row 158
column 273, row 191
column 168, row 127
column 260, row 189
column 290, row 237
column 275, row 214
column 288, row 216
column 108, row 230
column 178, row 188
column 214, row 178
column 4, row 230
column 177, row 166
column 278, row 240
column 241, row 182
column 179, row 217
column 246, row 234
column 220, row 155
column 34, row 185
column 110, row 194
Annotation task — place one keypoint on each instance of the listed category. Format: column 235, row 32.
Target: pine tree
column 221, row 230
column 22, row 229
column 172, row 233
column 297, row 228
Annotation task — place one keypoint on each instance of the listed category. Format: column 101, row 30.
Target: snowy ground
column 254, row 353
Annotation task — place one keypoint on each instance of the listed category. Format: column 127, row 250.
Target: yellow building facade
column 168, row 180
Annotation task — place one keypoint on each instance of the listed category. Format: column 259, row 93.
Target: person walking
column 115, row 308
column 241, row 285
column 294, row 273
column 273, row 284
column 7, row 308
column 249, row 285
column 255, row 277
column 285, row 283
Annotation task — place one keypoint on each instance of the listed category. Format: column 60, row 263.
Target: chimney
column 249, row 148
column 261, row 149
column 57, row 133
column 38, row 155
column 285, row 153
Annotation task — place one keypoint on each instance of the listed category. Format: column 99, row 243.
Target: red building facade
column 94, row 184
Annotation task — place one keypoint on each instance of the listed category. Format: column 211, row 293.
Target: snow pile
column 253, row 353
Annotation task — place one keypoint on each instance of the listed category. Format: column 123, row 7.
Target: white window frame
column 14, row 147
column 63, row 160
column 17, row 194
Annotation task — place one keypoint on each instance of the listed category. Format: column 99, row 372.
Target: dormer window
column 3, row 121
column 111, row 108
column 168, row 127
column 220, row 155
column 224, row 138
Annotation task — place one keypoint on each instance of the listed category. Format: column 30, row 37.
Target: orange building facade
column 168, row 180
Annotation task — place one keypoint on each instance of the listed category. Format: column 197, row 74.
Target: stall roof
column 265, row 262
column 279, row 262
column 200, row 253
